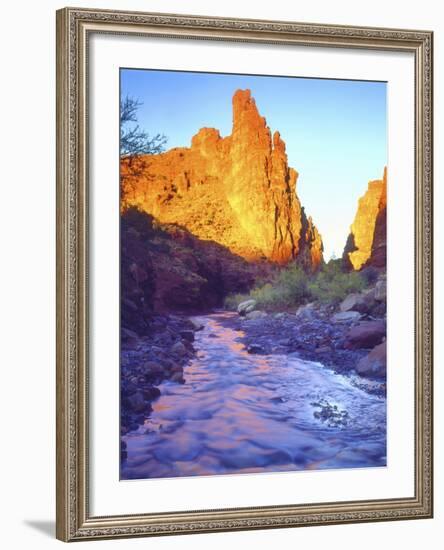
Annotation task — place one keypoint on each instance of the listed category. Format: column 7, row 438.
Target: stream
column 239, row 412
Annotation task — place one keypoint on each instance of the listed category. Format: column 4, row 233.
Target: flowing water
column 238, row 412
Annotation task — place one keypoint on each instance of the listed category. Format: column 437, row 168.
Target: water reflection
column 239, row 412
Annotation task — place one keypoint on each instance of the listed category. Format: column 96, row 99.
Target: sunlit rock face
column 378, row 256
column 311, row 246
column 237, row 191
column 366, row 243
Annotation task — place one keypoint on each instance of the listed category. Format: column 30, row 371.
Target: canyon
column 221, row 220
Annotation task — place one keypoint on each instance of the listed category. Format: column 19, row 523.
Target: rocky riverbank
column 241, row 412
column 147, row 361
column 349, row 338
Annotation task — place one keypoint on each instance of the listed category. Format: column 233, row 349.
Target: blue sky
column 335, row 130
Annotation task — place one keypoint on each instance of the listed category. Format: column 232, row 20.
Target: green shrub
column 269, row 297
column 293, row 286
column 331, row 285
column 287, row 289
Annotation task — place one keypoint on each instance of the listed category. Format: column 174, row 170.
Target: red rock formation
column 366, row 243
column 311, row 246
column 237, row 191
column 374, row 365
column 378, row 256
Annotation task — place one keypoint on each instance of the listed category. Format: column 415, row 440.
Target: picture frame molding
column 74, row 26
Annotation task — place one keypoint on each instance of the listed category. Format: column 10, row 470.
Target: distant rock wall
column 366, row 244
column 237, row 191
column 378, row 256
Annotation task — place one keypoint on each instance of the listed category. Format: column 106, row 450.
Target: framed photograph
column 244, row 274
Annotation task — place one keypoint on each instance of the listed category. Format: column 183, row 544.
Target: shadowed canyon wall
column 367, row 244
column 237, row 191
column 165, row 268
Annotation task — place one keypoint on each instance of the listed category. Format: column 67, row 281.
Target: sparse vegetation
column 288, row 288
column 332, row 285
column 293, row 287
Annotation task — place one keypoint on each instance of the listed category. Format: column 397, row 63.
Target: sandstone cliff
column 366, row 243
column 378, row 256
column 237, row 191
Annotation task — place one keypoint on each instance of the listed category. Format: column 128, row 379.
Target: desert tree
column 134, row 140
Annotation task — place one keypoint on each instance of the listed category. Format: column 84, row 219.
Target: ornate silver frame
column 74, row 521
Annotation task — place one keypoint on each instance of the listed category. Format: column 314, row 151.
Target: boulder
column 374, row 365
column 246, row 307
column 366, row 335
column 305, row 312
column 256, row 314
column 280, row 315
column 381, row 290
column 175, row 367
column 354, row 302
column 152, row 370
column 189, row 346
column 197, row 325
column 179, row 349
column 369, row 294
column 346, row 316
column 255, row 348
column 379, row 309
column 178, row 377
column 137, row 402
column 187, row 335
column 348, row 303
column 362, row 303
column 128, row 388
column 151, row 392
